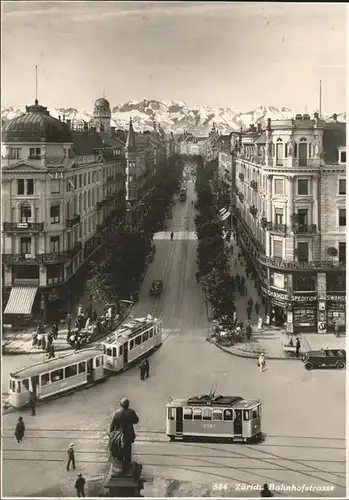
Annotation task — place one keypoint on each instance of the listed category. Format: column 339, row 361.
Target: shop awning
column 225, row 215
column 21, row 300
column 222, row 210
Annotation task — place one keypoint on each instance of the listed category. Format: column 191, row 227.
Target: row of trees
column 119, row 276
column 212, row 259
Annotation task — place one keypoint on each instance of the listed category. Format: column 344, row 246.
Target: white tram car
column 55, row 376
column 131, row 342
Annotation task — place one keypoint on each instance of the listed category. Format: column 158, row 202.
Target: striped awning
column 225, row 215
column 21, row 300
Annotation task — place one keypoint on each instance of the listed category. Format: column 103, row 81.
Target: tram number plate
column 208, row 426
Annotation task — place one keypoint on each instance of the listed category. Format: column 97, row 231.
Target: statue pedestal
column 124, row 484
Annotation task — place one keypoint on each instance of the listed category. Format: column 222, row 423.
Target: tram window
column 206, row 414
column 57, row 375
column 45, row 379
column 217, row 415
column 18, row 387
column 171, row 414
column 114, row 353
column 138, row 340
column 228, row 414
column 151, row 333
column 145, row 336
column 121, row 350
column 187, row 414
column 70, row 371
column 104, row 348
column 25, row 383
column 109, row 351
column 98, row 361
column 82, row 367
column 254, row 413
column 247, row 415
column 132, row 344
column 197, row 413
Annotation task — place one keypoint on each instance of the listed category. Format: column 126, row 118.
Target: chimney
column 269, row 124
column 259, row 128
column 334, row 116
column 59, row 117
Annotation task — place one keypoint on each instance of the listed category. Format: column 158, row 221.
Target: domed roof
column 36, row 125
column 102, row 103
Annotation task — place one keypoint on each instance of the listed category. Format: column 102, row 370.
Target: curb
column 251, row 355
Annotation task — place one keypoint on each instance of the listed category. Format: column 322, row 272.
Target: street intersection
column 303, row 414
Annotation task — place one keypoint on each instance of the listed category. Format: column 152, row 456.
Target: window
column 279, row 215
column 20, row 186
column 302, row 251
column 305, row 283
column 278, row 249
column 34, row 153
column 98, row 360
column 80, row 180
column 15, row 153
column 279, row 186
column 55, row 186
column 54, row 244
column 247, row 415
column 228, row 414
column 109, row 351
column 343, row 157
column 26, row 245
column 57, row 375
column 82, row 367
column 197, row 414
column 336, row 282
column 30, row 186
column 171, row 412
column 302, row 216
column 217, row 415
column 26, row 213
column 89, row 178
column 303, row 186
column 25, row 383
column 187, row 413
column 85, row 179
column 342, row 186
column 151, row 333
column 45, row 379
column 55, row 274
column 85, row 199
column 55, row 214
column 71, row 371
column 121, row 350
column 277, row 280
column 342, row 217
column 138, row 340
column 132, row 344
column 254, row 413
column 145, row 336
column 342, row 251
column 206, row 414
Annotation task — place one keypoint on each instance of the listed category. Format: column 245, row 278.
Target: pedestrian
column 298, row 346
column 71, row 456
column 32, row 404
column 146, row 368
column 265, row 492
column 256, row 308
column 237, row 278
column 261, row 362
column 142, row 370
column 243, row 280
column 248, row 331
column 49, row 339
column 43, row 342
column 337, row 329
column 35, row 339
column 51, row 352
column 260, row 323
column 54, row 330
column 20, row 429
column 247, row 271
column 78, row 343
column 249, row 312
column 250, row 302
column 80, row 486
column 39, row 343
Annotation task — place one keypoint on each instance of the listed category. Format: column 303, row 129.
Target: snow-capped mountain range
column 175, row 116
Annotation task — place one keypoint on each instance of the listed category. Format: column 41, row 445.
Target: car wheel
column 341, row 365
column 309, row 366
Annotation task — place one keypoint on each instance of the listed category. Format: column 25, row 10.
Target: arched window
column 85, row 199
column 89, row 199
column 303, row 139
column 25, row 212
column 80, row 203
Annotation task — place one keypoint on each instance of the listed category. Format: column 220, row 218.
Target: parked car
column 325, row 358
column 156, row 288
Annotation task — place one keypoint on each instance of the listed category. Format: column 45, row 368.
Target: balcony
column 300, row 266
column 34, row 157
column 73, row 221
column 41, row 258
column 304, row 229
column 276, row 228
column 21, row 258
column 23, row 227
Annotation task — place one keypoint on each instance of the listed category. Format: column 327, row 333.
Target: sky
column 233, row 55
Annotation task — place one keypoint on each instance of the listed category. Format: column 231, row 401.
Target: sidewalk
column 20, row 342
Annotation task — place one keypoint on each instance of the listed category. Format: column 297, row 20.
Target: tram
column 210, row 416
column 55, row 376
column 131, row 342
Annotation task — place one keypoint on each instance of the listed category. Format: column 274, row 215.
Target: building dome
column 102, row 103
column 36, row 125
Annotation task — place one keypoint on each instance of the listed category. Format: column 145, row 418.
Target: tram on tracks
column 131, row 342
column 214, row 417
column 56, row 376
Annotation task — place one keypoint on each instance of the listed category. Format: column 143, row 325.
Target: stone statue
column 122, row 434
column 290, row 147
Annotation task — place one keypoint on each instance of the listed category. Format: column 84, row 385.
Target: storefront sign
column 303, row 298
column 289, row 317
column 279, row 280
column 322, row 306
column 321, row 327
column 273, row 294
column 337, row 298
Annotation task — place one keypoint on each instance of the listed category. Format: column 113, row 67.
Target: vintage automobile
column 325, row 358
column 156, row 288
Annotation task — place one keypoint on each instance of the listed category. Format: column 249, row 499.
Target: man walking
column 298, row 346
column 249, row 312
column 142, row 370
column 80, row 486
column 146, row 368
column 71, row 456
column 261, row 362
column 20, row 429
column 69, row 323
column 32, row 404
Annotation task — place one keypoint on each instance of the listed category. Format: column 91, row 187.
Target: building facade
column 63, row 191
column 291, row 219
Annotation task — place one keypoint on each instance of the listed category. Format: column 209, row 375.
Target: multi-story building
column 61, row 191
column 146, row 153
column 291, row 219
column 189, row 144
